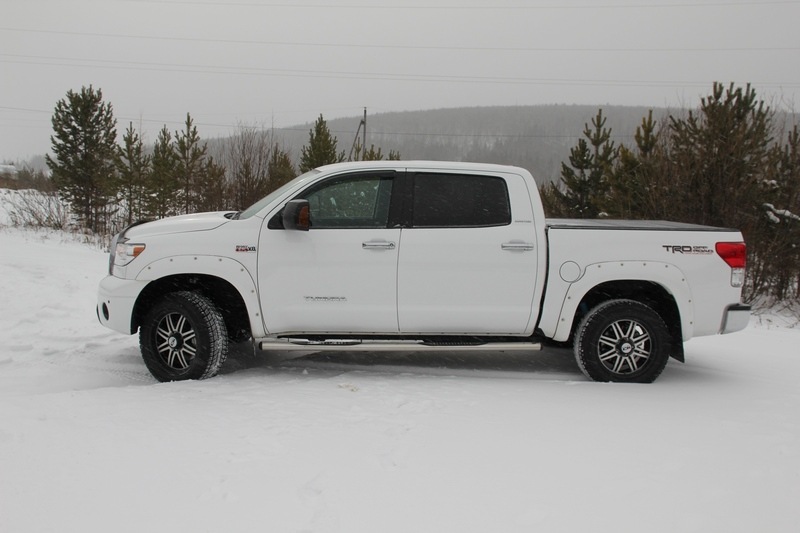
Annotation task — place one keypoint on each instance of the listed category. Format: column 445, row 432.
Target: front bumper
column 116, row 299
column 736, row 318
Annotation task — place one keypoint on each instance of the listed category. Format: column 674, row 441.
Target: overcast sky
column 284, row 62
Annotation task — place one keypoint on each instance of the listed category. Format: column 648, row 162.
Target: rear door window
column 460, row 200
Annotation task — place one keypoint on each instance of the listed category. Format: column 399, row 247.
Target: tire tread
column 658, row 332
column 211, row 319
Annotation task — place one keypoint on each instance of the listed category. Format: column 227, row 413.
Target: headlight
column 125, row 252
column 122, row 252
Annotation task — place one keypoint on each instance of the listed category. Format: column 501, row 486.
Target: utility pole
column 363, row 132
column 364, row 143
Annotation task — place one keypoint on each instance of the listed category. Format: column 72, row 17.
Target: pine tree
column 321, row 148
column 281, row 170
column 719, row 156
column 161, row 195
column 133, row 173
column 586, row 178
column 84, row 145
column 776, row 268
column 190, row 155
column 211, row 188
column 373, row 154
column 575, row 177
column 635, row 181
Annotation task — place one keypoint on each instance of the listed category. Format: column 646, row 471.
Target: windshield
column 259, row 205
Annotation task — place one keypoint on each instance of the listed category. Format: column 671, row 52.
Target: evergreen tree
column 635, row 182
column 84, row 145
column 190, row 155
column 321, row 148
column 281, row 170
column 373, row 154
column 211, row 188
column 718, row 157
column 133, row 173
column 161, row 196
column 776, row 267
column 586, row 178
column 552, row 200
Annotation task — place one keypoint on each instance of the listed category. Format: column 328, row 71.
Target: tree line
column 730, row 163
column 110, row 185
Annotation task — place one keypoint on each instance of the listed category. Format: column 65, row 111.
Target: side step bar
column 365, row 345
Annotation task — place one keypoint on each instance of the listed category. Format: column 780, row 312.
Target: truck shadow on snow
column 549, row 363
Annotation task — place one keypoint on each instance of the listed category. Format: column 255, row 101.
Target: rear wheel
column 183, row 337
column 623, row 341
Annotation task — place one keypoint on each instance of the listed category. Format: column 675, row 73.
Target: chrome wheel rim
column 176, row 341
column 624, row 347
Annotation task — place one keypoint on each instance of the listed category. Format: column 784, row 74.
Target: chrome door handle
column 517, row 246
column 377, row 245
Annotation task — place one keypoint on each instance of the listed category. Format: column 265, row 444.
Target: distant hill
column 537, row 138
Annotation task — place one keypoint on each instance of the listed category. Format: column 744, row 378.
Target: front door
column 341, row 275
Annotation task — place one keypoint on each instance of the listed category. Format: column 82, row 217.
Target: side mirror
column 297, row 215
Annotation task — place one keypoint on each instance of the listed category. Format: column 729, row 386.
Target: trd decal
column 688, row 250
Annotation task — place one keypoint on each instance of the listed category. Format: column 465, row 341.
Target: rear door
column 468, row 258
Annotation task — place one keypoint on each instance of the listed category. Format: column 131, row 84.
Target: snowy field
column 377, row 443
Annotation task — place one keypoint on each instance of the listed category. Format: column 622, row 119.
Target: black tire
column 622, row 341
column 183, row 337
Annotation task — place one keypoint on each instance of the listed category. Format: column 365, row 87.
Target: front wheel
column 183, row 337
column 623, row 341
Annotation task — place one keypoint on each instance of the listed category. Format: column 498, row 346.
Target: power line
column 353, row 75
column 484, row 7
column 28, row 110
column 453, row 48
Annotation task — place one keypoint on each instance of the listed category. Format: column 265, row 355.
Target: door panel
column 477, row 280
column 328, row 281
column 341, row 275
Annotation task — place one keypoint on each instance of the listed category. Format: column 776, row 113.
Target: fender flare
column 666, row 275
column 225, row 268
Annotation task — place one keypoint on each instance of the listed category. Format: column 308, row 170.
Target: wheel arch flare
column 224, row 281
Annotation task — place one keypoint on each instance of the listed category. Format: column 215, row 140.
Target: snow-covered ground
column 377, row 443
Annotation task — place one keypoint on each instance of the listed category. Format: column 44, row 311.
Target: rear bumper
column 736, row 318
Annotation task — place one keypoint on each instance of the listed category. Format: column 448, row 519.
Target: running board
column 359, row 345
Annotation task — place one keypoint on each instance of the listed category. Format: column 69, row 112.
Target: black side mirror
column 297, row 215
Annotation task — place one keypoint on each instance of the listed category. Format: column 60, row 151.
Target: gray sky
column 284, row 62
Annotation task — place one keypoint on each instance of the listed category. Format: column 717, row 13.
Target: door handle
column 517, row 246
column 377, row 245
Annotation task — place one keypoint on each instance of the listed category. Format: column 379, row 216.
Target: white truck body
column 392, row 267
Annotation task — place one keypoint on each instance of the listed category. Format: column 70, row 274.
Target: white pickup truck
column 399, row 255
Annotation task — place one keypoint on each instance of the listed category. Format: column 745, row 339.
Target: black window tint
column 442, row 200
column 352, row 202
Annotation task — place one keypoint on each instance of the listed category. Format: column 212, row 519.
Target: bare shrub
column 31, row 208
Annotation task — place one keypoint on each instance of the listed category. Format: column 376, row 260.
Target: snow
column 772, row 213
column 377, row 443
